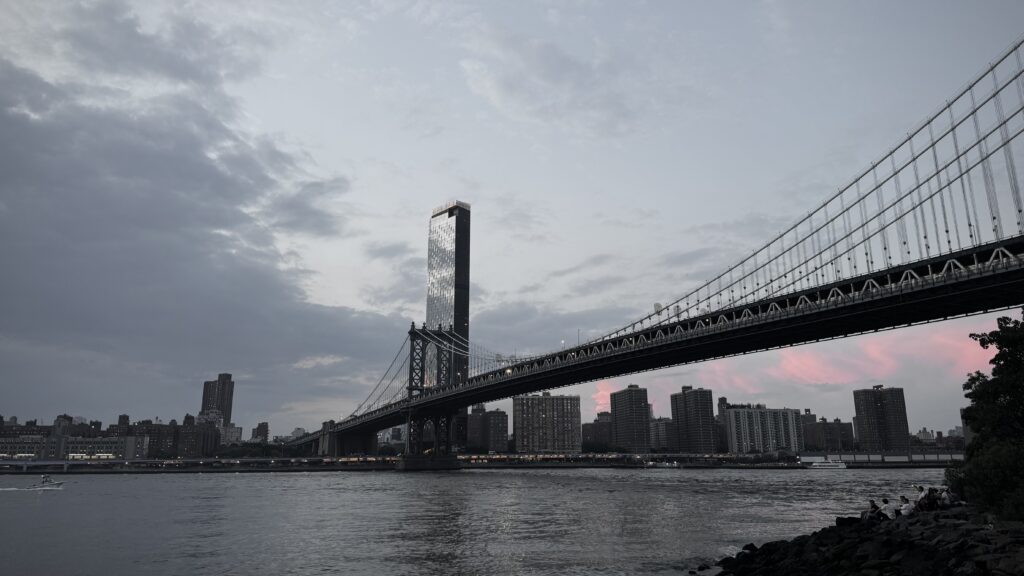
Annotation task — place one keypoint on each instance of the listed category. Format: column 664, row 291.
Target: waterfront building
column 597, row 435
column 261, row 433
column 496, row 431
column 162, row 437
column 486, row 430
column 721, row 434
column 219, row 395
column 967, row 431
column 230, row 435
column 196, row 439
column 123, row 425
column 39, row 446
column 820, row 435
column 123, row 448
column 664, row 437
column 631, row 427
column 75, row 447
column 475, row 435
column 757, row 429
column 881, row 419
column 693, row 412
column 547, row 423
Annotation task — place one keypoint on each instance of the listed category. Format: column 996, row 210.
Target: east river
column 580, row 521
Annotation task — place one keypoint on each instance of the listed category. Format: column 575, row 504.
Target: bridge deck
column 976, row 280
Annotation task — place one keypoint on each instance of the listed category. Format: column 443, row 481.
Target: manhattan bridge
column 932, row 229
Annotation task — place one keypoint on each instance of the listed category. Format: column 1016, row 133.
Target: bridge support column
column 440, row 457
column 328, row 443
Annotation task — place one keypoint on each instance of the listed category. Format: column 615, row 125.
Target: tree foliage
column 994, row 466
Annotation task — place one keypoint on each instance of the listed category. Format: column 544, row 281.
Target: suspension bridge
column 933, row 229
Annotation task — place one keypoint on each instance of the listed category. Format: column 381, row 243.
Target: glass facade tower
column 448, row 269
column 448, row 277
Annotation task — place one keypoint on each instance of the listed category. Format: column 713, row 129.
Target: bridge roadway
column 975, row 280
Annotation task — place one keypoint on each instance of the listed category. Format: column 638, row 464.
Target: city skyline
column 295, row 265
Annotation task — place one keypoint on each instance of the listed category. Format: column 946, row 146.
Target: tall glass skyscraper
column 448, row 269
column 448, row 280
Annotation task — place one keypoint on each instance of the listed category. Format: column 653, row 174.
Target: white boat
column 46, row 483
column 827, row 464
column 651, row 464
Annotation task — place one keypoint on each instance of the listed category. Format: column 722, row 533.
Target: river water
column 581, row 521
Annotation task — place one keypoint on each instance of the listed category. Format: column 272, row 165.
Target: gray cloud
column 535, row 80
column 588, row 286
column 107, row 37
column 305, row 211
column 142, row 263
column 588, row 264
column 388, row 250
column 687, row 257
column 406, row 289
column 529, row 328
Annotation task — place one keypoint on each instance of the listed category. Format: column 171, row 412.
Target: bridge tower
column 434, row 363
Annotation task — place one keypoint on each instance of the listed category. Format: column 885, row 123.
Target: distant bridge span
column 973, row 281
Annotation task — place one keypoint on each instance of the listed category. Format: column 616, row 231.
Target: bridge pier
column 441, row 456
column 328, row 443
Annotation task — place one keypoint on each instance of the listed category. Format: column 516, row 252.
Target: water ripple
column 492, row 522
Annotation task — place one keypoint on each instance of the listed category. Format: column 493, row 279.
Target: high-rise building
column 881, row 419
column 230, row 435
column 475, row 432
column 547, row 423
column 123, row 425
column 496, row 431
column 721, row 434
column 597, row 435
column 631, row 426
column 968, row 432
column 663, row 435
column 760, row 429
column 196, row 439
column 162, row 438
column 218, row 395
column 448, row 292
column 824, row 436
column 693, row 412
column 261, row 433
column 448, row 269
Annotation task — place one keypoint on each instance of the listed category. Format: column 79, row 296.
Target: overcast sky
column 194, row 188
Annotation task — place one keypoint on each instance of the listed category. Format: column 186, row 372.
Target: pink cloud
column 602, row 396
column 809, row 366
column 879, row 355
column 723, row 376
column 959, row 354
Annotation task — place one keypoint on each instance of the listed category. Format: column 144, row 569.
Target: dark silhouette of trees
column 993, row 471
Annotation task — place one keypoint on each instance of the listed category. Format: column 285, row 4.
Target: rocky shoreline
column 955, row 542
